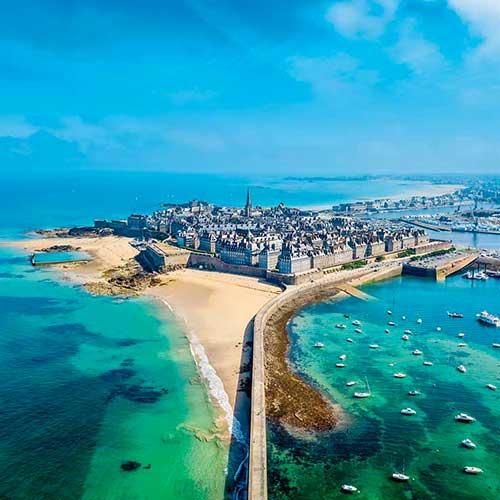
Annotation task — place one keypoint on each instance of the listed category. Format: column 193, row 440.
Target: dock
column 441, row 266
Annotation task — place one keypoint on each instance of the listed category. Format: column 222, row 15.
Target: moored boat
column 400, row 477
column 349, row 340
column 358, row 330
column 374, row 346
column 349, row 488
column 462, row 344
column 340, row 365
column 455, row 315
column 419, row 321
column 467, row 443
column 341, row 326
column 356, row 322
column 491, row 387
column 363, row 394
column 351, row 383
column 488, row 319
column 408, row 331
column 461, row 335
column 417, row 352
column 408, row 411
column 464, row 418
column 462, row 369
column 391, row 323
column 428, row 363
column 414, row 393
column 319, row 345
column 405, row 337
column 472, row 470
column 399, row 375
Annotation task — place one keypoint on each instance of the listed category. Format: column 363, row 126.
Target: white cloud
column 16, row 126
column 413, row 50
column 483, row 18
column 362, row 18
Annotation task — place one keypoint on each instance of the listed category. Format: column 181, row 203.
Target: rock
column 130, row 466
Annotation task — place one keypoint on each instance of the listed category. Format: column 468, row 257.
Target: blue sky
column 281, row 87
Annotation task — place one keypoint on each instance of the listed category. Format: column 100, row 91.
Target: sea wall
column 297, row 296
column 215, row 264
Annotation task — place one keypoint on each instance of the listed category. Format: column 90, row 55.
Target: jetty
column 440, row 267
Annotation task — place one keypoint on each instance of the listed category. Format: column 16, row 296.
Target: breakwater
column 294, row 297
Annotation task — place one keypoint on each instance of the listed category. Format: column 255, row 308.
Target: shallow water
column 87, row 383
column 379, row 440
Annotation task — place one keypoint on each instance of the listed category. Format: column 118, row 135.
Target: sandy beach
column 216, row 309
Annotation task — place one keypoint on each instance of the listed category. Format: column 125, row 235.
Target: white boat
column 408, row 331
column 398, row 476
column 462, row 369
column 346, row 315
column 419, row 321
column 341, row 326
column 414, row 393
column 472, row 470
column 319, row 345
column 455, row 315
column 491, row 387
column 403, row 318
column 389, row 312
column 417, row 352
column 349, row 340
column 343, row 357
column 351, row 383
column 461, row 335
column 480, row 276
column 374, row 346
column 462, row 344
column 358, row 330
column 408, row 411
column 399, row 375
column 405, row 337
column 464, row 418
column 391, row 323
column 495, row 345
column 438, row 328
column 387, row 330
column 467, row 443
column 340, row 365
column 428, row 363
column 349, row 488
column 356, row 322
column 488, row 319
column 363, row 394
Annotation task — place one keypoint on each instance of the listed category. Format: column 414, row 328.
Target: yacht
column 319, row 345
column 414, row 393
column 417, row 352
column 351, row 383
column 495, row 346
column 462, row 369
column 341, row 326
column 349, row 340
column 364, row 394
column 358, row 330
column 391, row 323
column 488, row 319
column 472, row 470
column 455, row 315
column 408, row 331
column 398, row 476
column 374, row 346
column 419, row 321
column 340, row 365
column 356, row 322
column 461, row 335
column 405, row 337
column 428, row 363
column 349, row 488
column 399, row 375
column 343, row 357
column 408, row 411
column 467, row 443
column 389, row 312
column 464, row 418
column 491, row 387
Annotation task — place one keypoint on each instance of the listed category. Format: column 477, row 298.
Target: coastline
column 428, row 190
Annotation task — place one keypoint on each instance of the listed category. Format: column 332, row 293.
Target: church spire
column 248, row 206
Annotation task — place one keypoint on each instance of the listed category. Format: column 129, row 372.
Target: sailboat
column 365, row 394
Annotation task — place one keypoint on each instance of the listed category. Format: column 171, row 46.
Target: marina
column 413, row 412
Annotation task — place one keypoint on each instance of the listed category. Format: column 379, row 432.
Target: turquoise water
column 58, row 257
column 88, row 383
column 377, row 440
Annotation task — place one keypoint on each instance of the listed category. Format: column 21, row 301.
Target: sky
column 251, row 86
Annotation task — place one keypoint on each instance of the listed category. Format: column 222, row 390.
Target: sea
column 375, row 439
column 91, row 385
